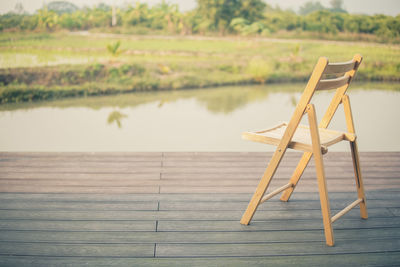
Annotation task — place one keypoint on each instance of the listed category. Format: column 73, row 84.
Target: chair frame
column 315, row 83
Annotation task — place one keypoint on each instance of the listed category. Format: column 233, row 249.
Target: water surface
column 194, row 120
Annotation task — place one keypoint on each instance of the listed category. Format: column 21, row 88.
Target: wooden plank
column 309, row 181
column 240, row 156
column 188, row 205
column 274, row 249
column 193, row 179
column 80, row 189
column 336, row 157
column 271, row 205
column 244, row 169
column 81, row 154
column 279, row 175
column 74, row 225
column 169, row 215
column 78, row 164
column 100, row 169
column 341, row 67
column 259, row 163
column 335, row 171
column 309, row 184
column 275, row 225
column 210, row 154
column 52, row 205
column 124, row 237
column 87, row 176
column 333, row 83
column 393, row 195
column 76, row 250
column 350, row 259
column 206, row 189
column 213, row 164
column 249, row 189
column 82, row 182
column 263, row 155
column 174, row 156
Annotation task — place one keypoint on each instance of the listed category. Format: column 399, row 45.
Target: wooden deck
column 183, row 209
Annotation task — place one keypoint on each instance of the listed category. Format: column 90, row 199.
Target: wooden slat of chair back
column 335, row 68
column 333, row 83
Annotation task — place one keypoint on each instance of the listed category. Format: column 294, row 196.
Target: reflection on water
column 219, row 100
column 191, row 120
column 116, row 117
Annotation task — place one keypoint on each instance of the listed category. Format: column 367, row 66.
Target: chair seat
column 301, row 139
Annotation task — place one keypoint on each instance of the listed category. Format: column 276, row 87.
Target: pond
column 192, row 120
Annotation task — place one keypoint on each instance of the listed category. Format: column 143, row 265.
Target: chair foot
column 330, row 242
column 244, row 221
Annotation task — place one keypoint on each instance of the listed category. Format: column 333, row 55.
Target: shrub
column 259, row 69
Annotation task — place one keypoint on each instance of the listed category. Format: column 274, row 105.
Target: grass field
column 40, row 66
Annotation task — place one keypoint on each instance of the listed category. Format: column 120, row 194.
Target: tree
column 310, row 7
column 19, row 9
column 47, row 19
column 61, row 7
column 221, row 12
column 324, row 22
column 336, row 6
column 113, row 48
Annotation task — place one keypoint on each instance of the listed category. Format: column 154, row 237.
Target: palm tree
column 114, row 48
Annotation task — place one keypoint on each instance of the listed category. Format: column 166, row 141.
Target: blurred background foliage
column 222, row 17
column 64, row 51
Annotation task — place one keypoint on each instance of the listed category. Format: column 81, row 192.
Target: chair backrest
column 344, row 69
column 341, row 83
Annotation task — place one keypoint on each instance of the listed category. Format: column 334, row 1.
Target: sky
column 388, row 7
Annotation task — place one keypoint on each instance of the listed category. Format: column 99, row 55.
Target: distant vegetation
column 223, row 17
column 39, row 66
column 139, row 48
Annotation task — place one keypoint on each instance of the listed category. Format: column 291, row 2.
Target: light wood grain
column 333, row 83
column 319, row 166
column 341, row 67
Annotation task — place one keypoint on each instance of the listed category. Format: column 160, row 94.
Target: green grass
column 68, row 59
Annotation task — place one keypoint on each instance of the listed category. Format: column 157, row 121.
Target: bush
column 259, row 70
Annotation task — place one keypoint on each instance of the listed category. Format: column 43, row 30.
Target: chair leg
column 262, row 187
column 359, row 181
column 354, row 154
column 319, row 167
column 296, row 175
column 323, row 195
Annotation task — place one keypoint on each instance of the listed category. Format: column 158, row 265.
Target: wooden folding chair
column 313, row 140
